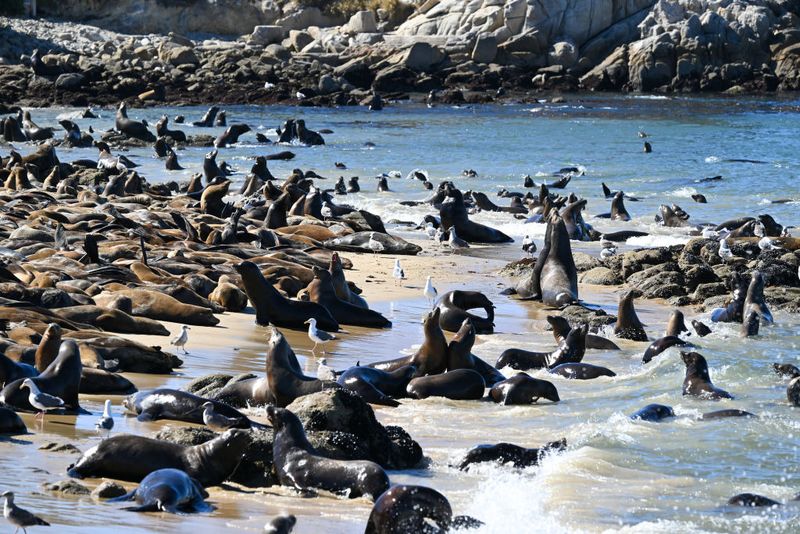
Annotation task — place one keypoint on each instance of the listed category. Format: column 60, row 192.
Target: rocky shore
column 462, row 51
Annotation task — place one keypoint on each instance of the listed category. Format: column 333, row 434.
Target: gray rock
column 706, row 291
column 299, row 39
column 266, row 35
column 67, row 487
column 584, row 262
column 108, row 490
column 327, row 84
column 577, row 314
column 362, row 22
column 485, row 49
column 563, row 53
column 421, row 57
column 602, row 276
column 70, row 82
column 276, row 51
column 181, row 55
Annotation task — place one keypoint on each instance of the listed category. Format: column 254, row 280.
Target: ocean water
column 617, row 474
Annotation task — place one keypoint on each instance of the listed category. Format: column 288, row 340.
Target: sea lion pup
column 628, row 325
column 321, row 291
column 162, row 129
column 285, row 379
column 570, row 350
column 581, row 371
column 561, row 328
column 340, row 284
column 460, row 384
column 376, row 386
column 48, row 348
column 167, row 490
column 754, row 300
column 406, row 509
column 733, row 312
column 60, row 379
column 132, row 128
column 653, row 413
column 697, row 382
column 131, row 458
column 523, row 389
column 459, row 355
column 273, row 308
column 208, row 118
column 504, row 453
column 298, row 464
column 454, row 306
column 660, row 345
column 231, row 135
column 431, row 357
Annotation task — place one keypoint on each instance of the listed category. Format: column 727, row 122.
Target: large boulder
column 362, row 22
column 485, row 49
column 267, row 35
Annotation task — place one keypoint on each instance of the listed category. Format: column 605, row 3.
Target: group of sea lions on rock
column 92, row 250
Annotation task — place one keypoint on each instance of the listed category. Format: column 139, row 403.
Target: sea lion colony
column 91, row 250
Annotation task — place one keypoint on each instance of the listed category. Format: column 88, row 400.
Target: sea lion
column 558, row 278
column 11, row 370
column 653, row 413
column 172, row 161
column 285, row 379
column 11, row 423
column 407, row 509
column 162, row 130
column 34, row 132
column 359, row 242
column 561, row 329
column 177, row 405
column 751, row 500
column 167, row 490
column 724, row 414
column 786, row 370
column 628, row 325
column 618, row 211
column 283, row 524
column 102, row 382
column 461, row 384
column 272, row 308
column 48, row 347
column 750, row 324
column 454, row 306
column 660, row 345
column 676, row 326
column 376, row 386
column 671, row 216
column 754, row 300
column 453, row 213
column 623, row 235
column 340, row 285
column 231, row 135
column 459, row 355
column 581, row 371
column 700, row 328
column 697, row 382
column 62, row 379
column 208, row 118
column 504, row 453
column 132, row 128
column 298, row 464
column 523, row 389
column 733, row 312
column 131, row 458
column 210, row 168
column 793, row 391
column 431, row 357
column 321, row 291
column 570, row 350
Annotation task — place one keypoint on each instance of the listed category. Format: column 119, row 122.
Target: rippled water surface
column 616, row 474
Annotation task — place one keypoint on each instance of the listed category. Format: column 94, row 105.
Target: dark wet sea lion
column 618, row 211
column 793, row 391
column 11, row 370
column 272, row 308
column 298, row 464
column 628, row 325
column 460, row 384
column 283, row 524
column 750, row 324
column 672, row 216
column 786, row 369
column 676, row 326
column 570, row 350
column 700, row 328
column 231, row 135
column 162, row 129
column 724, row 414
column 285, row 379
column 623, row 235
column 754, row 299
column 321, row 291
column 699, row 198
column 660, row 345
column 210, row 167
column 376, row 386
column 453, row 213
column 459, row 355
column 581, row 371
column 62, row 379
column 504, row 453
column 751, row 500
column 454, row 306
column 208, row 118
column 523, row 389
column 11, row 423
column 101, row 382
column 561, row 328
column 697, row 382
column 431, row 357
column 359, row 242
column 733, row 312
column 177, row 405
column 558, row 279
column 132, row 128
column 653, row 413
column 405, row 509
column 167, row 490
column 131, row 458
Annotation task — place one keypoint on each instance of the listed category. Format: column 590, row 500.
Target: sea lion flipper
column 153, row 507
column 145, row 416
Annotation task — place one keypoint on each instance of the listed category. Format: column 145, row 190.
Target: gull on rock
column 325, row 372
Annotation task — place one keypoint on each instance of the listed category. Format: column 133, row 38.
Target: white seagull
column 724, row 251
column 766, row 243
column 40, row 400
column 319, row 337
column 430, row 292
column 324, row 372
column 215, row 421
column 106, row 422
column 708, row 233
column 430, row 230
column 607, row 253
column 456, row 242
column 19, row 517
column 528, row 245
column 182, row 338
column 374, row 245
column 399, row 274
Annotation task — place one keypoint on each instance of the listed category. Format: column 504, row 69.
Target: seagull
column 605, row 243
column 19, row 517
column 528, row 245
column 374, row 245
column 724, row 252
column 181, row 340
column 430, row 230
column 607, row 253
column 394, row 174
column 106, row 422
column 642, row 134
column 319, row 337
column 40, row 400
column 399, row 274
column 759, row 230
column 268, row 85
column 430, row 292
column 766, row 243
column 216, row 422
column 327, row 212
column 708, row 233
column 300, row 96
column 456, row 242
column 439, row 237
column 324, row 372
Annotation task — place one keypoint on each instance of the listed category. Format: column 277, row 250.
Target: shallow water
column 617, row 475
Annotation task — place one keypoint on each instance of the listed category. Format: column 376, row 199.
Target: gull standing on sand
column 20, row 517
column 324, row 372
column 319, row 337
column 106, row 422
column 430, row 292
column 456, row 242
column 528, row 245
column 399, row 274
column 215, row 421
column 430, row 230
column 181, row 340
column 374, row 245
column 40, row 400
